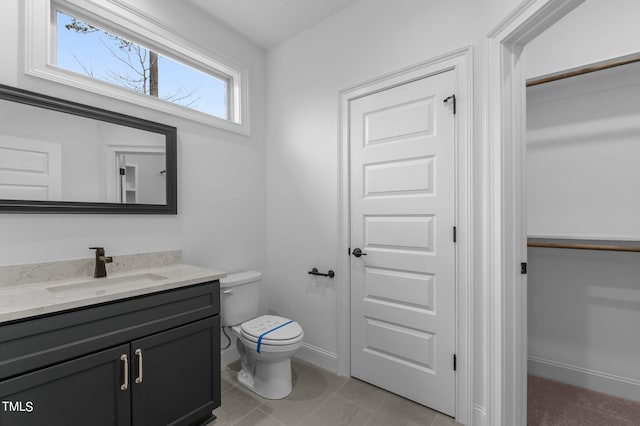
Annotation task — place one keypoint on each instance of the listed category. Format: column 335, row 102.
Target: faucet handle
column 100, row 250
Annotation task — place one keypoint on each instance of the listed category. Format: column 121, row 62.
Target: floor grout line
column 434, row 420
column 318, row 406
column 263, row 412
column 309, row 370
column 271, row 417
column 240, row 419
column 371, row 412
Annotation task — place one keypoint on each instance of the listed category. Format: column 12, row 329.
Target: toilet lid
column 256, row 327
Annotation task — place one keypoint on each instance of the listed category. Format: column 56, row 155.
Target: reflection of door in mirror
column 141, row 177
column 30, row 169
column 149, row 181
column 130, row 183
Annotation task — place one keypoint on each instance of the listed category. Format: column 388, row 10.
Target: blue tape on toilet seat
column 267, row 332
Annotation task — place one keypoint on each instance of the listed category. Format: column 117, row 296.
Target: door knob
column 357, row 252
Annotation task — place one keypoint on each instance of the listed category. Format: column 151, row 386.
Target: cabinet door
column 83, row 391
column 179, row 382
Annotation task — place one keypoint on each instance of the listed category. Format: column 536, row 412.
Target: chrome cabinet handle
column 138, row 352
column 125, row 385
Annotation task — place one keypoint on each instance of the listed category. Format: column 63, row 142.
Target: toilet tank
column 239, row 297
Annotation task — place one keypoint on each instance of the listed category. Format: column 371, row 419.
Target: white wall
column 595, row 31
column 582, row 151
column 221, row 176
column 584, row 311
column 583, row 305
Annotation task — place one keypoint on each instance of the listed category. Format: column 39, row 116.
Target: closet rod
column 584, row 70
column 584, row 246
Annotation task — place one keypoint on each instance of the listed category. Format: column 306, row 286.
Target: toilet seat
column 285, row 331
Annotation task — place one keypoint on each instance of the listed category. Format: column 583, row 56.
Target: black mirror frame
column 56, row 104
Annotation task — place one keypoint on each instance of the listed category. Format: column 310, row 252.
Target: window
column 111, row 48
column 84, row 48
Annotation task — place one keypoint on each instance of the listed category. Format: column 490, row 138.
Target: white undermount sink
column 97, row 284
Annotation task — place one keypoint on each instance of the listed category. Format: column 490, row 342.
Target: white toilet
column 266, row 343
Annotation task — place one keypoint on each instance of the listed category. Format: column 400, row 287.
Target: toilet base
column 271, row 380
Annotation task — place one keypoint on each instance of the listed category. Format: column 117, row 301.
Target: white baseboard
column 622, row 387
column 479, row 415
column 318, row 356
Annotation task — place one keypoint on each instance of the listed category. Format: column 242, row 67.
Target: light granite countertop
column 27, row 300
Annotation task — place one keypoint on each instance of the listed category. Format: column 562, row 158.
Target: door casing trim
column 460, row 62
column 504, row 191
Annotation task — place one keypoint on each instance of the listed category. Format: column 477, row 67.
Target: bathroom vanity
column 139, row 348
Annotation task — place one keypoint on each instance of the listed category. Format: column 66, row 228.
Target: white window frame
column 138, row 27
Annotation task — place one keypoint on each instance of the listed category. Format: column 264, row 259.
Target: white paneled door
column 30, row 169
column 402, row 177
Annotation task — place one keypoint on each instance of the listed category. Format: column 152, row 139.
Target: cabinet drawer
column 34, row 343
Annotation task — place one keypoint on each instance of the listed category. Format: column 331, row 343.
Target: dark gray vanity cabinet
column 150, row 360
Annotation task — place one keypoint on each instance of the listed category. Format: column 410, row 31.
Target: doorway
column 582, row 142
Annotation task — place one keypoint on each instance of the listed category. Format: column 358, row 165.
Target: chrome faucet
column 101, row 262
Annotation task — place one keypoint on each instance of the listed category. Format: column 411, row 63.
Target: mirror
column 61, row 156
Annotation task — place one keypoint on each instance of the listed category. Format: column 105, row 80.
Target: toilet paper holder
column 329, row 274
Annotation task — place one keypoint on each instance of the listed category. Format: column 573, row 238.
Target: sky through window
column 88, row 50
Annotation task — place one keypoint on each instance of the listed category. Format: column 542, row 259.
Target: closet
column 583, row 224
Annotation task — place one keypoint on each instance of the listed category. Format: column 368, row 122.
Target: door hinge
column 455, row 234
column 451, row 98
column 122, row 172
column 523, row 268
column 455, row 362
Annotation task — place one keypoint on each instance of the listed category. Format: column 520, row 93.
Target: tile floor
column 320, row 398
